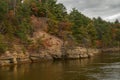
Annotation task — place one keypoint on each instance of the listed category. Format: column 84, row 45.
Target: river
column 103, row 67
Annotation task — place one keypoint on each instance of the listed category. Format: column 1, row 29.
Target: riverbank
column 101, row 67
column 44, row 46
column 114, row 49
column 19, row 58
column 75, row 53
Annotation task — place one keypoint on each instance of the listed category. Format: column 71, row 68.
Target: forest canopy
column 15, row 24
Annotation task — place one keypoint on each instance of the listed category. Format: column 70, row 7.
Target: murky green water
column 104, row 67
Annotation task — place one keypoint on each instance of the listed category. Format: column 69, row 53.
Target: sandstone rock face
column 52, row 45
column 49, row 41
column 14, row 58
column 4, row 62
column 49, row 53
column 80, row 52
column 39, row 23
column 23, row 57
column 114, row 49
column 17, row 58
column 43, row 56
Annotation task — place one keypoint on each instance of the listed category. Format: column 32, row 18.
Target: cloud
column 107, row 9
column 113, row 16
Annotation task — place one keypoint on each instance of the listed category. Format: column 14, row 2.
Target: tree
column 92, row 33
column 80, row 23
column 104, row 30
column 116, row 21
column 3, row 9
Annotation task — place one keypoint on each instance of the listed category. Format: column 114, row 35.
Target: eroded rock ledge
column 18, row 58
column 53, row 48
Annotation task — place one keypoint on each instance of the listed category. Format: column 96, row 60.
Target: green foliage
column 24, row 29
column 23, row 11
column 54, row 10
column 3, row 9
column 53, row 27
column 3, row 48
column 118, row 35
column 80, row 27
column 15, row 22
column 104, row 32
column 3, row 45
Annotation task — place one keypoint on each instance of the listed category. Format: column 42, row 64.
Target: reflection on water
column 104, row 67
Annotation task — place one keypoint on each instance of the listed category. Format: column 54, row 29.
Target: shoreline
column 114, row 49
column 77, row 53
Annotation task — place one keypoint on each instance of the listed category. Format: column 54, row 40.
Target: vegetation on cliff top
column 16, row 26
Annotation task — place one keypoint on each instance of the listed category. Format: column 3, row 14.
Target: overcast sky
column 107, row 9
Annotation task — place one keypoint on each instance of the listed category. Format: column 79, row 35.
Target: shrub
column 3, row 47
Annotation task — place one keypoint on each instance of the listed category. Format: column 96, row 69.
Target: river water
column 103, row 67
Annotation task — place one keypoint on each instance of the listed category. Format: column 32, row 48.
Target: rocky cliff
column 44, row 47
